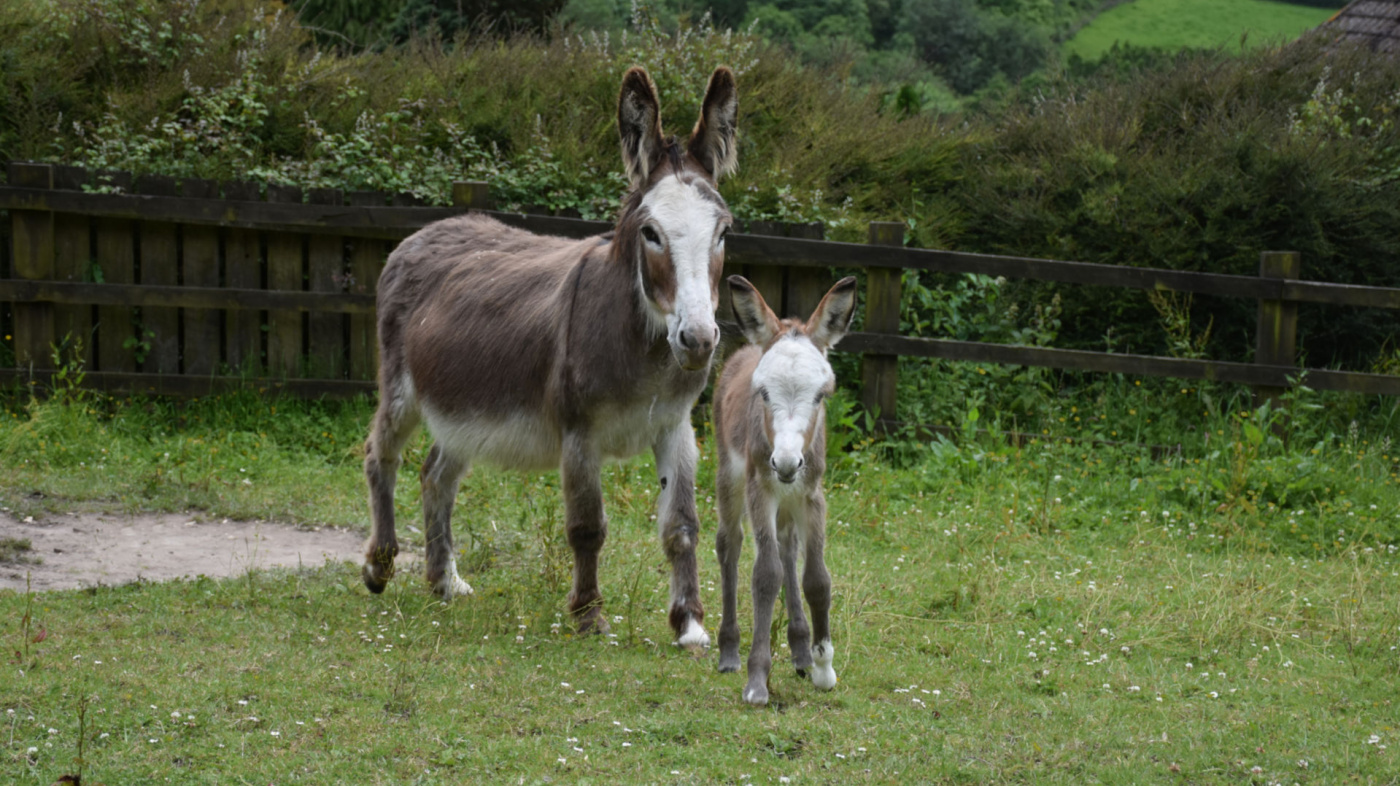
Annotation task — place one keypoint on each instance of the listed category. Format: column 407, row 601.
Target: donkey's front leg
column 767, row 578
column 585, row 526
column 729, row 541
column 799, row 635
column 679, row 528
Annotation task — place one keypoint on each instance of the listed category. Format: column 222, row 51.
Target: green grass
column 1195, row 24
column 1050, row 613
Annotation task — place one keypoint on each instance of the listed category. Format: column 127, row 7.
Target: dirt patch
column 74, row 550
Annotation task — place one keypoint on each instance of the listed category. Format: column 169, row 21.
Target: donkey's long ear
column 832, row 318
column 639, row 124
column 757, row 321
column 712, row 142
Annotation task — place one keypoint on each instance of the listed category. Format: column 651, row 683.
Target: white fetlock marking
column 695, row 635
column 451, row 585
column 751, row 697
column 823, row 675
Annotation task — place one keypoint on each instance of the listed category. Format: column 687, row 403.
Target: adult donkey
column 534, row 352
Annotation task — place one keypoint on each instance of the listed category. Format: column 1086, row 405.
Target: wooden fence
column 194, row 287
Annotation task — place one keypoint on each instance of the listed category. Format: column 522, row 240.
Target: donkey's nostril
column 686, row 340
column 800, row 462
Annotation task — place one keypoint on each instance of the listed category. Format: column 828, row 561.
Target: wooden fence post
column 1276, row 339
column 32, row 259
column 880, row 373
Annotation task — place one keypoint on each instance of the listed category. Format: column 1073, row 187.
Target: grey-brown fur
column 535, row 352
column 788, row 515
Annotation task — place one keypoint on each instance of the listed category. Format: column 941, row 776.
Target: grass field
column 1179, row 24
column 1050, row 613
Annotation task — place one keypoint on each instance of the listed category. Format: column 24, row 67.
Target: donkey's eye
column 820, row 395
column 763, row 393
column 651, row 236
column 723, row 233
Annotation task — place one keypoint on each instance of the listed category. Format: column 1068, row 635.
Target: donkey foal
column 771, row 428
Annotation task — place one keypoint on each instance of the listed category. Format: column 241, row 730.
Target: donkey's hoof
column 376, row 576
column 728, row 666
column 802, row 671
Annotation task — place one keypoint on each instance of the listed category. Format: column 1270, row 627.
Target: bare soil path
column 72, row 550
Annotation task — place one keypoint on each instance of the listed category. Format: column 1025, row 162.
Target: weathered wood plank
column 32, row 258
column 1116, row 363
column 193, row 386
column 395, row 223
column 325, row 265
column 73, row 238
column 880, row 373
column 117, row 341
column 769, row 280
column 366, row 261
column 159, row 265
column 806, row 285
column 285, row 271
column 185, row 297
column 199, row 260
column 243, row 269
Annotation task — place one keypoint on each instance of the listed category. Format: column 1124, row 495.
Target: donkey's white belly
column 527, row 441
column 628, row 430
column 520, row 441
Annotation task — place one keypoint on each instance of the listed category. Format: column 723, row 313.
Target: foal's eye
column 651, row 236
column 723, row 233
column 763, row 393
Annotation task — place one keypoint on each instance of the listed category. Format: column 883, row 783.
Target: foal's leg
column 816, row 585
column 767, row 577
column 790, row 525
column 394, row 421
column 585, row 526
column 729, row 542
column 679, row 528
column 441, row 475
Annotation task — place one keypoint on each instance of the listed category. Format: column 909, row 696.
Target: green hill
column 1180, row 24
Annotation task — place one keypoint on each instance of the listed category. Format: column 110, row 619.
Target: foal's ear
column 832, row 318
column 757, row 321
column 712, row 142
column 639, row 124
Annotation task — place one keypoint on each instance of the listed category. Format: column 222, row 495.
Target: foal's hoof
column 593, row 623
column 450, row 586
column 757, row 695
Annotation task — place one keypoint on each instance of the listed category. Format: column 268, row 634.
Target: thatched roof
column 1371, row 23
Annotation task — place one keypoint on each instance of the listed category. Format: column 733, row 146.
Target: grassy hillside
column 1204, row 24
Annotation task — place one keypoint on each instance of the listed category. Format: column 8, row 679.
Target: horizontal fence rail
column 192, row 288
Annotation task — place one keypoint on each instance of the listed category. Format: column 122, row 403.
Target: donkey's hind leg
column 394, row 421
column 442, row 474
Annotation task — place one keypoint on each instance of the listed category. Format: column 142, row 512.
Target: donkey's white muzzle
column 694, row 345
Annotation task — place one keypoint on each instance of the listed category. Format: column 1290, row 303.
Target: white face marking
column 688, row 226
column 792, row 375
